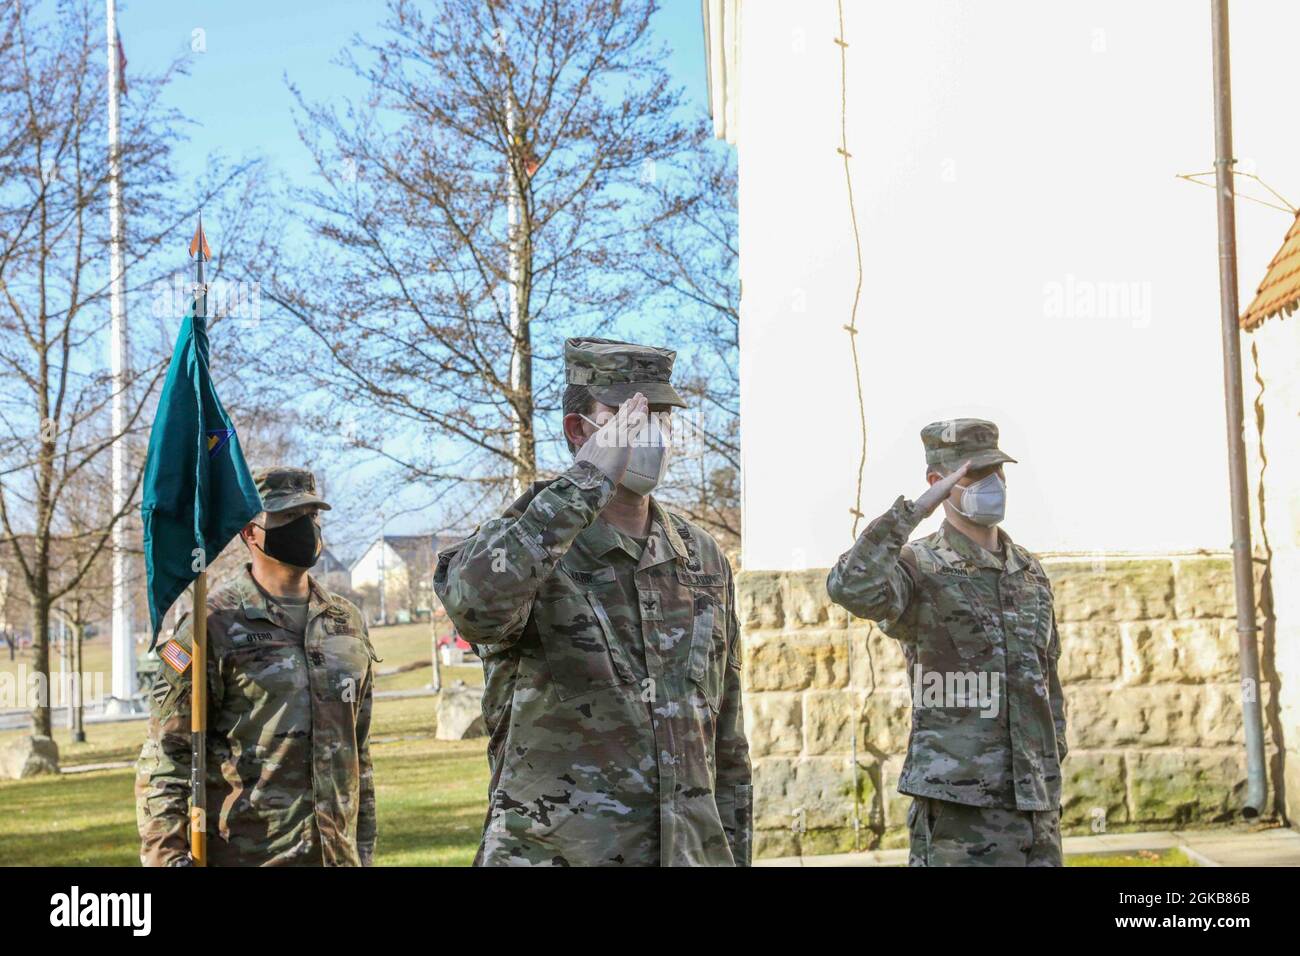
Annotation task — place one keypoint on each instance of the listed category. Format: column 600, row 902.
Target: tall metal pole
column 123, row 696
column 65, row 661
column 1242, row 555
column 79, row 701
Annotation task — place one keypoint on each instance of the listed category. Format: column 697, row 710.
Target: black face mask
column 296, row 543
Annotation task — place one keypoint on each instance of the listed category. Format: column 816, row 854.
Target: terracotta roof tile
column 1279, row 293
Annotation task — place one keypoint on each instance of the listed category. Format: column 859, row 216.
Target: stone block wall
column 1149, row 670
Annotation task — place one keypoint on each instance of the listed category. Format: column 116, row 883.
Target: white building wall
column 1009, row 160
column 1275, row 507
column 365, row 572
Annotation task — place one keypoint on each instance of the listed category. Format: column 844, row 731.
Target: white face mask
column 983, row 502
column 651, row 452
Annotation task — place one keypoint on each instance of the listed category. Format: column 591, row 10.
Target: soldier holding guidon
column 289, row 699
column 610, row 645
column 973, row 612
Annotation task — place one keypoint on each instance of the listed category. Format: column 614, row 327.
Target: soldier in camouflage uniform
column 973, row 612
column 289, row 697
column 610, row 646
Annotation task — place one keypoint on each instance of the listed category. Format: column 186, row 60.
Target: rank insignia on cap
column 177, row 658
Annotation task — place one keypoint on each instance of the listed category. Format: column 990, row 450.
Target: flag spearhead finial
column 199, row 244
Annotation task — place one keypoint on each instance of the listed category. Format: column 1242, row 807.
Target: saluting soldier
column 973, row 612
column 610, row 645
column 289, row 697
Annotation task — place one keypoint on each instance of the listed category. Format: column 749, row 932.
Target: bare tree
column 54, row 176
column 481, row 203
column 692, row 264
column 77, row 553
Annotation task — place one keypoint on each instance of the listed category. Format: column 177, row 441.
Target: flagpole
column 199, row 725
column 1256, row 796
column 199, row 651
column 124, row 689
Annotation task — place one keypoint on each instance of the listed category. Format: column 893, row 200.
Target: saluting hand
column 610, row 447
column 938, row 491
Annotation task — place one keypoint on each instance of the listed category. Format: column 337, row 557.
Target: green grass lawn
column 431, row 796
column 1138, row 858
column 407, row 645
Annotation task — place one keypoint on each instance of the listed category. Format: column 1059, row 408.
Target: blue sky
column 237, row 92
column 237, row 97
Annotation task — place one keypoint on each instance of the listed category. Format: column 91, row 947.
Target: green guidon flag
column 198, row 491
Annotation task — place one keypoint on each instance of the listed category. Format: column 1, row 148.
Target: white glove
column 610, row 447
column 937, row 492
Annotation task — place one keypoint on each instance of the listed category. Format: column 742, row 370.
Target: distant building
column 394, row 577
column 332, row 573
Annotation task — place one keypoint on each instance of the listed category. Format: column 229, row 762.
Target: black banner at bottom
column 300, row 906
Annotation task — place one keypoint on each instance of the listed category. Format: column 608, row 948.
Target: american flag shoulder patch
column 177, row 658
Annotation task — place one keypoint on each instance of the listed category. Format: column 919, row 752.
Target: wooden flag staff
column 199, row 652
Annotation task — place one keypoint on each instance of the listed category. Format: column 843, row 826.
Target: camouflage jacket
column 288, row 759
column 612, row 693
column 979, row 636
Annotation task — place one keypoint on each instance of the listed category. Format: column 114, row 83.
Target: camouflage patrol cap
column 283, row 488
column 615, row 371
column 951, row 442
